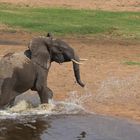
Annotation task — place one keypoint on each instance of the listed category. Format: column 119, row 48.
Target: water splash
column 74, row 104
column 119, row 90
column 78, row 99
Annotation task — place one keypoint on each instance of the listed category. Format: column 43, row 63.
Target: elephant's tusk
column 83, row 59
column 76, row 62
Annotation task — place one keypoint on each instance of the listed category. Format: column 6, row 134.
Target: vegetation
column 70, row 21
column 132, row 63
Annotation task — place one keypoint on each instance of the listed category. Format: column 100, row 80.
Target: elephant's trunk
column 76, row 70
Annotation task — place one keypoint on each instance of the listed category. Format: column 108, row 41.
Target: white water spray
column 74, row 104
column 119, row 90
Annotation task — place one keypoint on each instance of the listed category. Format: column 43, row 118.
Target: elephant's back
column 11, row 61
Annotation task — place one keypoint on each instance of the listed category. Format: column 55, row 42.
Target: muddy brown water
column 69, row 127
column 62, row 121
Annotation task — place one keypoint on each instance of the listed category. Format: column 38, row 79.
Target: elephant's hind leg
column 11, row 103
column 7, row 96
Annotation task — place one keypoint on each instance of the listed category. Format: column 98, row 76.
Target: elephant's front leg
column 45, row 94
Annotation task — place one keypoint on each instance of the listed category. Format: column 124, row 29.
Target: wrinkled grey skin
column 29, row 70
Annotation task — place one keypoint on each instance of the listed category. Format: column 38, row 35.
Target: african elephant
column 29, row 70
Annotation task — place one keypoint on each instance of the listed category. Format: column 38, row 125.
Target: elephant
column 20, row 72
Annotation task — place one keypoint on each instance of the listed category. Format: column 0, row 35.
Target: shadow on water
column 21, row 130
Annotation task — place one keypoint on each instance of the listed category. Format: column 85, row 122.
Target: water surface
column 62, row 120
column 69, row 127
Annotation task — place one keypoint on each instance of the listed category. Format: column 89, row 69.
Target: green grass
column 64, row 21
column 132, row 63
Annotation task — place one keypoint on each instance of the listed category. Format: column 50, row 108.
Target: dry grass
column 112, row 5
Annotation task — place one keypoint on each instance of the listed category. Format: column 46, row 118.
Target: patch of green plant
column 70, row 21
column 132, row 63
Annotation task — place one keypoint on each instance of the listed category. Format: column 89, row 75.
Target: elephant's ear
column 40, row 55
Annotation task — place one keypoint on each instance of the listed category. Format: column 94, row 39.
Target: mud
column 8, row 42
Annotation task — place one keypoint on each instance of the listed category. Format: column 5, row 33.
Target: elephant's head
column 45, row 50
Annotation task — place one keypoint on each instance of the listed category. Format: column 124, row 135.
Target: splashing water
column 74, row 104
column 119, row 90
column 24, row 108
column 77, row 99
